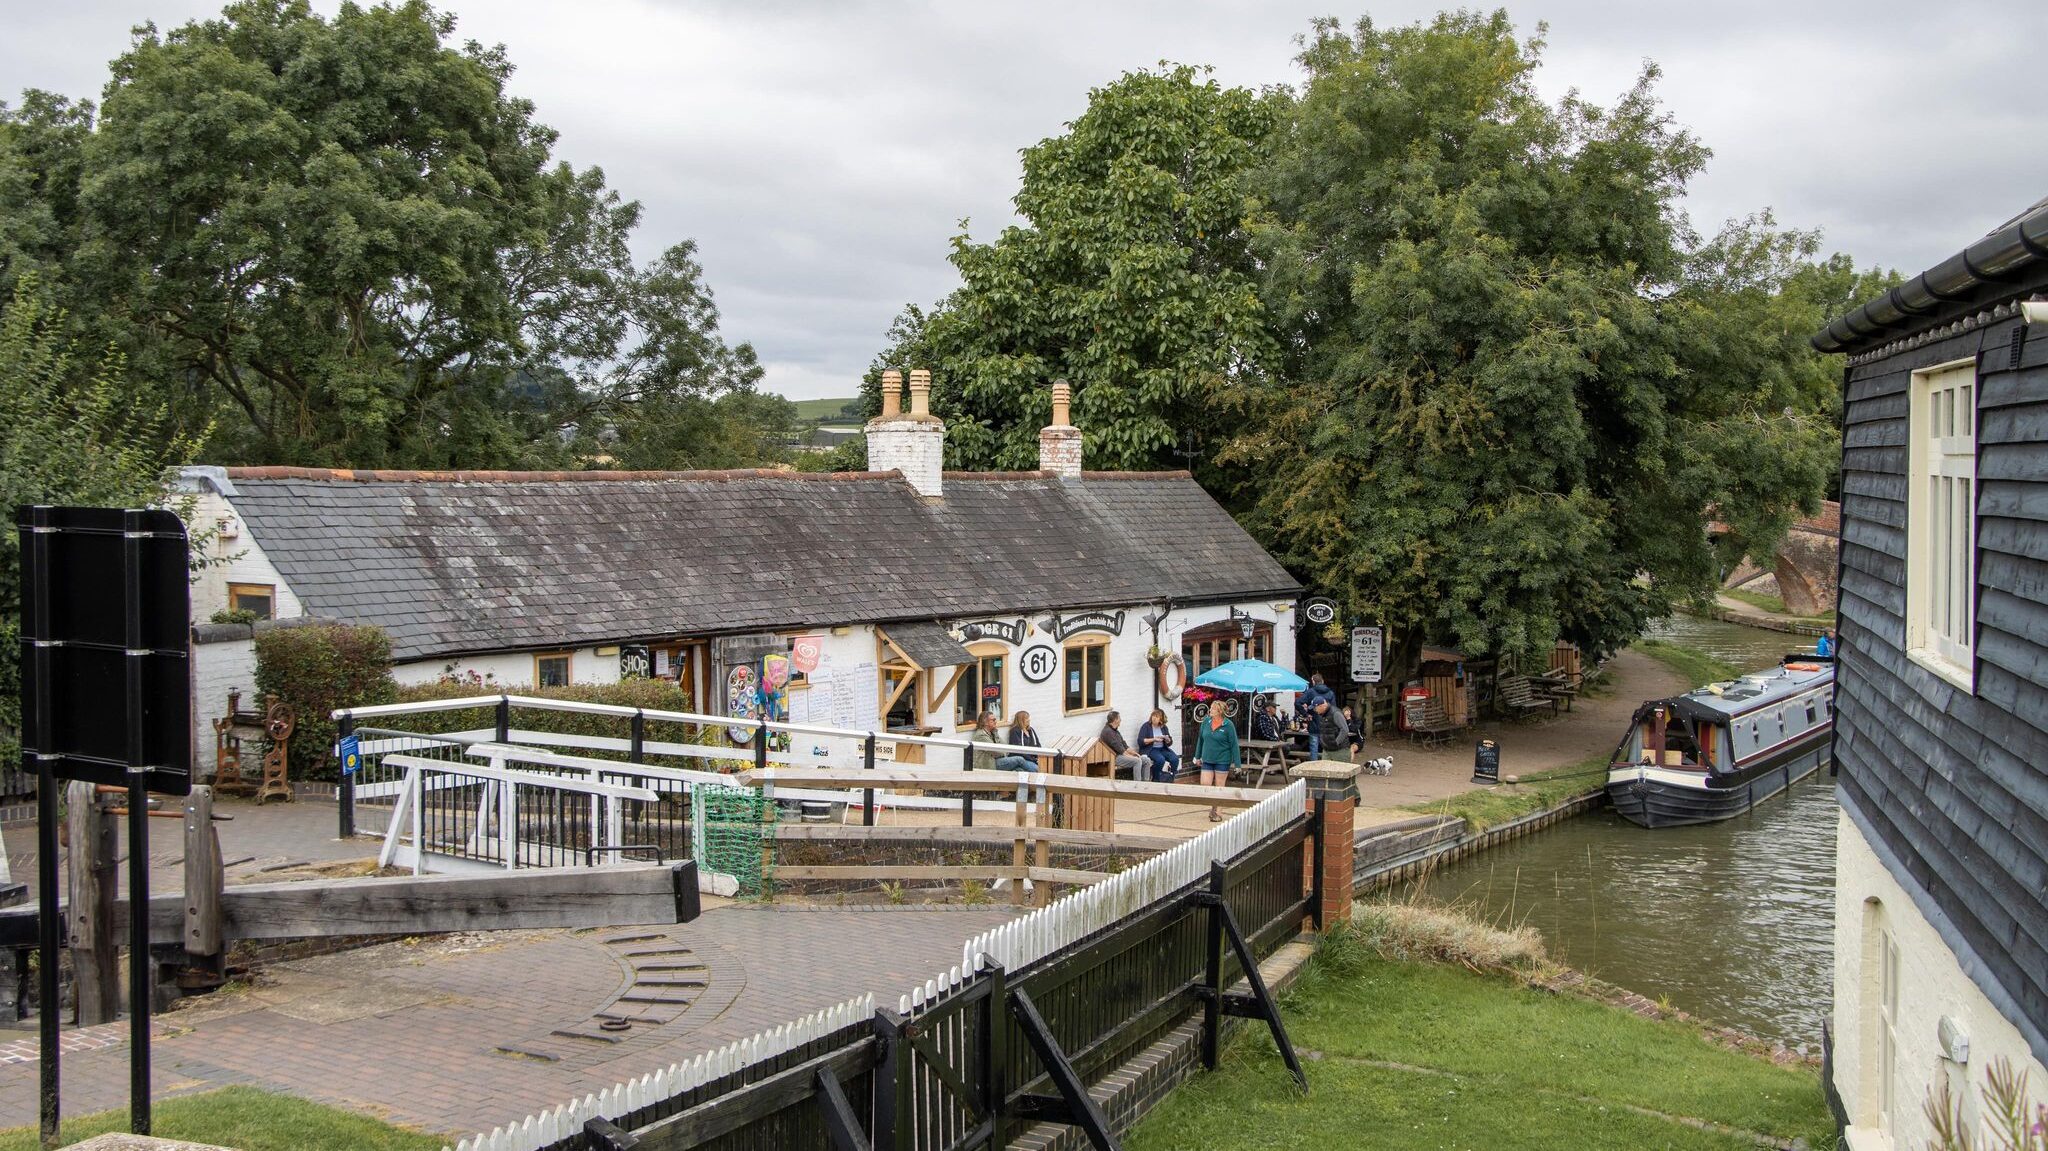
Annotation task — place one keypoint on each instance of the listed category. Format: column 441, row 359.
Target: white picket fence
column 540, row 1130
column 1021, row 941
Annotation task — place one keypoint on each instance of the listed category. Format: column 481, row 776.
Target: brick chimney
column 912, row 442
column 1059, row 443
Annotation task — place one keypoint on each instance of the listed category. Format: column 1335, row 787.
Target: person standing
column 1332, row 732
column 1155, row 740
column 1216, row 753
column 1119, row 747
column 1021, row 734
column 1318, row 692
column 1824, row 647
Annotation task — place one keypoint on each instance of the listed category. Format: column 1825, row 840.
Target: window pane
column 552, row 671
column 1966, row 414
column 1959, row 569
column 255, row 602
column 992, row 686
column 1074, row 672
column 967, row 697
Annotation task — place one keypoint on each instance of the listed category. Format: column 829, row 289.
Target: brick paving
column 459, row 1034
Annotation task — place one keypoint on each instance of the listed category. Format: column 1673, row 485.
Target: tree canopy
column 345, row 242
column 1131, row 279
column 1455, row 351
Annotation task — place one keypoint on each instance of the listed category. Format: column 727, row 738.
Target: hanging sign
column 1009, row 631
column 351, row 753
column 1367, row 652
column 804, row 652
column 1038, row 663
column 1063, row 626
column 1319, row 610
column 634, row 662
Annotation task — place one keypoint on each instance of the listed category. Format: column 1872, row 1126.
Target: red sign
column 804, row 651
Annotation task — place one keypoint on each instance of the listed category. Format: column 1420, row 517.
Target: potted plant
column 1155, row 655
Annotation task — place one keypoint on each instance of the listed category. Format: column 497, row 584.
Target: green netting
column 731, row 822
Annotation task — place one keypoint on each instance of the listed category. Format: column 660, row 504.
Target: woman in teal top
column 1216, row 753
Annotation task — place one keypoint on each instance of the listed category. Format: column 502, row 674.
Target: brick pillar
column 1336, row 784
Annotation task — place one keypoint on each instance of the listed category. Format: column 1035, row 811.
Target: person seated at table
column 1266, row 722
column 1119, row 747
column 1155, row 740
column 1021, row 734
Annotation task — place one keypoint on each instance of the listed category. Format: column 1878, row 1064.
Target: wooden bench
column 1268, row 751
column 1427, row 720
column 1518, row 697
column 1557, row 687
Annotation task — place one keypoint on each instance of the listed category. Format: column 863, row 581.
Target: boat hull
column 1661, row 797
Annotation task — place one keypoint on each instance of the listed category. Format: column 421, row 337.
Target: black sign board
column 1062, row 626
column 1009, row 631
column 105, row 658
column 1486, row 762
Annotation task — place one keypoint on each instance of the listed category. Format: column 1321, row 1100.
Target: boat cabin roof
column 1717, row 702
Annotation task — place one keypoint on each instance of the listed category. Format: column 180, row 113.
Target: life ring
column 1170, row 687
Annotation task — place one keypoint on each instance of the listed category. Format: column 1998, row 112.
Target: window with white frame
column 1941, row 506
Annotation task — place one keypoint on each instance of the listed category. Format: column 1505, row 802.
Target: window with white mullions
column 1941, row 575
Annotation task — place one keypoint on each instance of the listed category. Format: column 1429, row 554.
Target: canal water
column 1732, row 921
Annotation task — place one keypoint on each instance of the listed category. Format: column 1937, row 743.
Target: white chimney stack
column 913, row 443
column 1059, row 443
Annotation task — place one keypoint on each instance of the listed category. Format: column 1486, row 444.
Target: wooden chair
column 1518, row 697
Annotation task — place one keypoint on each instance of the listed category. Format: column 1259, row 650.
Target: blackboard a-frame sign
column 105, row 656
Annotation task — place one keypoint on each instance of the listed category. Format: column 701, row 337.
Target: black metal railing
column 979, row 1061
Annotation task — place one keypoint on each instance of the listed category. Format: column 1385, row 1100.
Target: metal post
column 504, row 719
column 867, row 805
column 994, row 1054
column 37, row 565
column 894, row 1123
column 638, row 752
column 761, row 746
column 47, row 941
column 345, row 791
column 967, row 801
column 138, row 833
column 1212, row 1003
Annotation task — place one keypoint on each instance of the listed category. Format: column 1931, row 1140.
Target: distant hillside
column 829, row 411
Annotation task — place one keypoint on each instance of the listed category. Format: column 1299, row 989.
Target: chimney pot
column 892, row 394
column 1062, row 396
column 920, row 392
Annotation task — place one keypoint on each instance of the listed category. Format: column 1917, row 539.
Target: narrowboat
column 1714, row 752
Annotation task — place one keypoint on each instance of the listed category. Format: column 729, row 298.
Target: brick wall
column 915, row 447
column 1059, row 451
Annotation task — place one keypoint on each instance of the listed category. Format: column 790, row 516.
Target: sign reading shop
column 1062, row 626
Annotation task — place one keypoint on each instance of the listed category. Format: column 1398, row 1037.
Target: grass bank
column 1774, row 605
column 1482, row 807
column 1696, row 666
column 246, row 1119
column 1421, row 1030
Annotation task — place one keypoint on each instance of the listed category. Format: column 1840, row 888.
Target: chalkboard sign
column 1486, row 762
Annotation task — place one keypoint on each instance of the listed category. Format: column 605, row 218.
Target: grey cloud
column 822, row 154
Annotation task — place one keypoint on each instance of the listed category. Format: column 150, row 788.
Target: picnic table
column 1267, row 752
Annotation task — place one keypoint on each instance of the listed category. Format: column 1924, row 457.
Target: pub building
column 904, row 597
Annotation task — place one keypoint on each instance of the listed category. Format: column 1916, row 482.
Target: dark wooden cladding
column 1954, row 785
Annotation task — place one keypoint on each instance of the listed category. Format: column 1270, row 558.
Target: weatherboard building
column 1941, row 913
column 907, row 597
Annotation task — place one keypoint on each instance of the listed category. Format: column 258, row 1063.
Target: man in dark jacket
column 1111, row 738
column 1331, row 730
column 1318, row 693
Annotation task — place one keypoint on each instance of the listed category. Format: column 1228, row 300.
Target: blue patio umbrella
column 1251, row 675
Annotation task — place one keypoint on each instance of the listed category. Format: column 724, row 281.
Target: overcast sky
column 822, row 154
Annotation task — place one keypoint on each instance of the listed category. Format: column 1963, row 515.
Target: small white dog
column 1384, row 765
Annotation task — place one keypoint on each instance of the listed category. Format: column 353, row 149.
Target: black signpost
column 106, row 697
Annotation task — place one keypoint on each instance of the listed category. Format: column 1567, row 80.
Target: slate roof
column 463, row 562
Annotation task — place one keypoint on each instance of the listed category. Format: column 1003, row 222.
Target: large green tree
column 346, row 242
column 69, row 434
column 1130, row 278
column 1516, row 382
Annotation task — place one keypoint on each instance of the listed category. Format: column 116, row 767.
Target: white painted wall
column 511, row 669
column 242, row 559
column 1931, row 984
column 217, row 669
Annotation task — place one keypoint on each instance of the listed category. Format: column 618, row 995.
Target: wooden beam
column 1004, row 781
column 996, row 835
column 92, row 869
column 1066, row 875
column 903, row 871
column 415, row 905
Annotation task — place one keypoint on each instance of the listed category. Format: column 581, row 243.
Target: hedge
column 316, row 669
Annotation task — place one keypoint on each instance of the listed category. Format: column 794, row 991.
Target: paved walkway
column 459, row 1034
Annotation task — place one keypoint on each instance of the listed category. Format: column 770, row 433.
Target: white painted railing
column 568, row 1119
column 497, row 808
